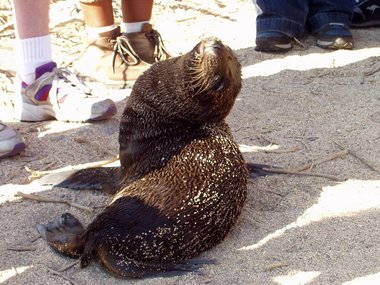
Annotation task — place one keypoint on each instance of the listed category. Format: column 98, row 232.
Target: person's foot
column 116, row 58
column 272, row 41
column 59, row 94
column 366, row 14
column 334, row 36
column 11, row 142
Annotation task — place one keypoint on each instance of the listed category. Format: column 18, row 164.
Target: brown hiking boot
column 116, row 59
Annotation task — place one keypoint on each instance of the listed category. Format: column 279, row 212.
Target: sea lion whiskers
column 199, row 79
column 206, row 66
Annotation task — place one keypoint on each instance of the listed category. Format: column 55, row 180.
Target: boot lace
column 160, row 51
column 124, row 49
column 72, row 79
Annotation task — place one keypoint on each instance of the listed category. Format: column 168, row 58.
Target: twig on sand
column 52, row 271
column 25, row 247
column 265, row 139
column 6, row 26
column 274, row 266
column 38, row 174
column 37, row 237
column 324, row 159
column 369, row 73
column 354, row 154
column 287, row 171
column 49, row 200
column 22, row 248
column 67, row 267
column 294, row 149
column 298, row 170
column 8, row 72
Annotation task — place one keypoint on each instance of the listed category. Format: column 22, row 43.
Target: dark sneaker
column 58, row 94
column 11, row 142
column 366, row 14
column 334, row 36
column 115, row 58
column 272, row 41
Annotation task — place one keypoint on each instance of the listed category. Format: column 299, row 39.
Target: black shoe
column 273, row 42
column 335, row 36
column 366, row 14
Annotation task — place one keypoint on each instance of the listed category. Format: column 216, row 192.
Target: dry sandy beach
column 310, row 111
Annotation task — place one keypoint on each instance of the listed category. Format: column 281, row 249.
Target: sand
column 295, row 109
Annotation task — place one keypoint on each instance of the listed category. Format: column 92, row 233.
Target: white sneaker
column 11, row 142
column 58, row 94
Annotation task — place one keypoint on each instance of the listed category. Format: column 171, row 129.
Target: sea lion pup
column 183, row 180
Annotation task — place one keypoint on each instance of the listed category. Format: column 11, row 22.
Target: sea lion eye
column 218, row 83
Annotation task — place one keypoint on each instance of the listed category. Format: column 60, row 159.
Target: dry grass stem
column 67, row 267
column 274, row 266
column 62, row 276
column 22, row 248
column 287, row 171
column 38, row 174
column 308, row 166
column 357, row 156
column 49, row 200
column 289, row 150
column 327, row 158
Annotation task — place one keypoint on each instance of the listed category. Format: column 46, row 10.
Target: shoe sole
column 38, row 113
column 338, row 43
column 274, row 48
column 19, row 147
column 34, row 113
column 111, row 111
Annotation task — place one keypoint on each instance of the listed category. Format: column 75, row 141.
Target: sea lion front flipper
column 105, row 179
column 64, row 235
column 256, row 170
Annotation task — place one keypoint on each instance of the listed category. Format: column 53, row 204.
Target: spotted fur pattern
column 183, row 179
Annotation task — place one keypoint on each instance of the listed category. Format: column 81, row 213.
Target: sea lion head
column 198, row 87
column 213, row 77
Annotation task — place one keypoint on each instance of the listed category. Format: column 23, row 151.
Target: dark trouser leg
column 323, row 12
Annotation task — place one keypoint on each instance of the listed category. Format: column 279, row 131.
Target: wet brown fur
column 183, row 178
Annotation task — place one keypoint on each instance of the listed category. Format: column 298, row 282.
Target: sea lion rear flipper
column 98, row 178
column 64, row 235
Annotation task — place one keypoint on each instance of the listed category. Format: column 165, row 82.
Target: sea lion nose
column 212, row 45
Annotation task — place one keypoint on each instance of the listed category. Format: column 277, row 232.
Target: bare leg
column 28, row 26
column 34, row 58
column 98, row 14
column 136, row 10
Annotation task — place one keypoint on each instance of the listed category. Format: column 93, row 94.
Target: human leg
column 324, row 12
column 136, row 11
column 136, row 28
column 121, row 53
column 330, row 21
column 97, row 14
column 279, row 22
column 33, row 45
column 47, row 92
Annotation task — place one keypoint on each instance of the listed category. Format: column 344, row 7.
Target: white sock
column 32, row 53
column 93, row 33
column 134, row 27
